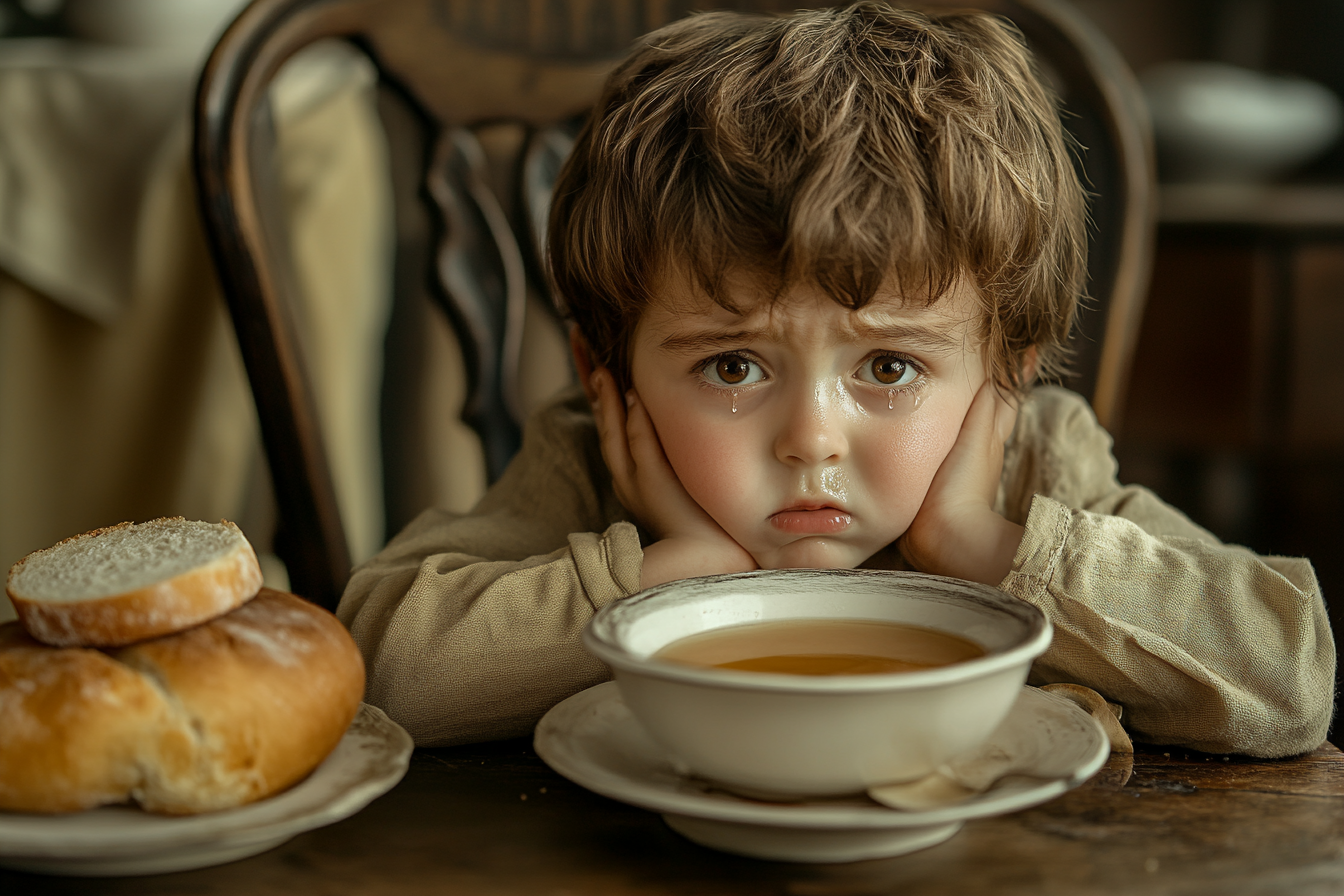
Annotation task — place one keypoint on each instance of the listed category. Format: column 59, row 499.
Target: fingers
column 971, row 470
column 643, row 478
column 640, row 472
column 990, row 418
column 957, row 531
column 629, row 441
column 646, row 450
column 979, row 429
column 983, row 412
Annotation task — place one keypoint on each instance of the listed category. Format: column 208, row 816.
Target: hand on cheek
column 689, row 542
column 956, row 532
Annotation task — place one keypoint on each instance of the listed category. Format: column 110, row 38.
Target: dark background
column 1236, row 405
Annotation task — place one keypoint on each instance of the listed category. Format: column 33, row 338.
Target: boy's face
column 809, row 432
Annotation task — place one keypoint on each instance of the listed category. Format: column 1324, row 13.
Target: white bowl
column 1220, row 123
column 786, row 736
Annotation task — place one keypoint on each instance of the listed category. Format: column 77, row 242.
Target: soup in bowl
column 794, row 683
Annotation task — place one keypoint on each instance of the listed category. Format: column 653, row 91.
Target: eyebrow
column 928, row 338
column 693, row 343
column 925, row 338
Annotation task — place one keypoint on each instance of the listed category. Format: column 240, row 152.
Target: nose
column 813, row 429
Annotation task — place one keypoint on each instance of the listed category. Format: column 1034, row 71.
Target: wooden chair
column 449, row 66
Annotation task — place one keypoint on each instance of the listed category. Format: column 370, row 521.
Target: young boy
column 814, row 265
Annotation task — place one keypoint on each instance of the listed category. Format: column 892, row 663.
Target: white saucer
column 123, row 840
column 593, row 740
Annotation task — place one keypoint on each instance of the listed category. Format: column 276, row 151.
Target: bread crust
column 223, row 714
column 73, row 720
column 195, row 596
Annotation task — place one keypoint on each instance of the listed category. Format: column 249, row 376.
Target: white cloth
column 122, row 394
column 83, row 128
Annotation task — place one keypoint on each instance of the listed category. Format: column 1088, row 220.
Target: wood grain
column 493, row 820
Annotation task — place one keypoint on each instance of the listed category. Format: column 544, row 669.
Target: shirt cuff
column 1042, row 547
column 609, row 564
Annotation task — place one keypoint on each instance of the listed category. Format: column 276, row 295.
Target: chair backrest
column 450, row 66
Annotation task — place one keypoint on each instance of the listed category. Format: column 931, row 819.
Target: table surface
column 494, row 819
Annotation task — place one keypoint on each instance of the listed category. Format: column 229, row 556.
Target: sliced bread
column 126, row 583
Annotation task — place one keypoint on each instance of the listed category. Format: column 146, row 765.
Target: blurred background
column 1235, row 410
column 122, row 395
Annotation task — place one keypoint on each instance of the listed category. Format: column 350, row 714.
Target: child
column 814, row 265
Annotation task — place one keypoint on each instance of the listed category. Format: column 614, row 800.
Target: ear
column 583, row 361
column 1030, row 357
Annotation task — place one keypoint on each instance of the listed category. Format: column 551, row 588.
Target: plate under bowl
column 593, row 740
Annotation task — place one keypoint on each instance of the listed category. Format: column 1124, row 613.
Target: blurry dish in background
column 188, row 25
column 1219, row 123
column 29, row 18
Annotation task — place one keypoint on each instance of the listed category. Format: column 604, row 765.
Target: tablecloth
column 122, row 394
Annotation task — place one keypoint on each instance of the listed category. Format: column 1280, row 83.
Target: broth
column 821, row 647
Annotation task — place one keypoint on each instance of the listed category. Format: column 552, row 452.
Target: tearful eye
column 889, row 370
column 733, row 370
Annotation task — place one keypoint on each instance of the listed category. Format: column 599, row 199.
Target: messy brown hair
column 852, row 147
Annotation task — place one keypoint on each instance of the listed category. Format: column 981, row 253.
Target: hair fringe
column 850, row 148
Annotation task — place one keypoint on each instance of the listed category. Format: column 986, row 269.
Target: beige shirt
column 470, row 624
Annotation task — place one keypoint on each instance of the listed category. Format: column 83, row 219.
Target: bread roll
column 130, row 582
column 220, row 715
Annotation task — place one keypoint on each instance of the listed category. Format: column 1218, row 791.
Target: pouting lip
column 819, row 520
column 808, row 506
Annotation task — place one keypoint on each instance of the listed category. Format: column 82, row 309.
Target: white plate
column 123, row 840
column 593, row 740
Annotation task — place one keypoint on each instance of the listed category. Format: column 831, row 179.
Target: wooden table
column 492, row 819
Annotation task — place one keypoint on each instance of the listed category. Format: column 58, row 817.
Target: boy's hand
column 956, row 532
column 689, row 542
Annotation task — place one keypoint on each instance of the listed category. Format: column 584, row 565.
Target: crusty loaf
column 130, row 582
column 220, row 715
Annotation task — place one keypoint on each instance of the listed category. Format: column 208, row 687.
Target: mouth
column 811, row 519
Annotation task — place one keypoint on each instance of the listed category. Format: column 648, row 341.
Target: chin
column 812, row 553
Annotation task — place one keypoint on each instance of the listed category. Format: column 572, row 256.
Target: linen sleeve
column 1205, row 645
column 470, row 624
